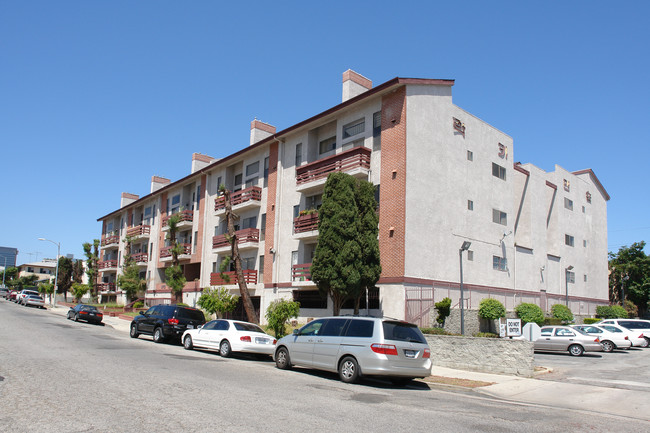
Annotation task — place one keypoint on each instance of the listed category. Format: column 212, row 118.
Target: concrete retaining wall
column 488, row 355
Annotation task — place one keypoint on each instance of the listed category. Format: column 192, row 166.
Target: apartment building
column 442, row 176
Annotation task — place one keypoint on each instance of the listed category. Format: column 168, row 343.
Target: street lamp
column 464, row 247
column 623, row 281
column 566, row 277
column 56, row 273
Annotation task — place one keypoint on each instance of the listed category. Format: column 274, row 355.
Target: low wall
column 487, row 355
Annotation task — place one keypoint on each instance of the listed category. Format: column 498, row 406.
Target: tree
column 77, row 271
column 530, row 313
column 46, row 288
column 130, row 281
column 217, row 300
column 64, row 282
column 174, row 274
column 337, row 263
column 562, row 312
column 279, row 312
column 492, row 309
column 444, row 309
column 12, row 273
column 236, row 258
column 629, row 276
column 368, row 238
column 78, row 290
column 91, row 252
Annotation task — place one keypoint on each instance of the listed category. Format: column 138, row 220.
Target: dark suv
column 166, row 322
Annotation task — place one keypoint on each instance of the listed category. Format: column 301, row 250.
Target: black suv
column 166, row 322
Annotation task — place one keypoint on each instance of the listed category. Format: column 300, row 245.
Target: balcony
column 241, row 200
column 140, row 258
column 246, row 239
column 166, row 252
column 186, row 219
column 107, row 265
column 106, row 287
column 355, row 162
column 138, row 232
column 250, row 276
column 110, row 241
column 301, row 272
column 306, row 226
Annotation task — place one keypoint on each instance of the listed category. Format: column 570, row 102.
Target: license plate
column 410, row 353
column 261, row 340
column 190, row 326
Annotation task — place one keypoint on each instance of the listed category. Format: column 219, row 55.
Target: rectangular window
column 198, row 195
column 327, row 145
column 568, row 240
column 377, row 194
column 376, row 130
column 470, row 205
column 310, row 299
column 252, row 182
column 298, row 154
column 499, row 217
column 196, row 236
column 146, row 220
column 296, row 211
column 568, row 204
column 585, row 278
column 584, row 243
column 252, row 168
column 263, row 227
column 470, row 155
column 238, row 181
column 176, row 203
column 218, row 183
column 266, row 171
column 470, row 255
column 249, row 223
column 150, row 249
column 499, row 263
column 153, row 218
column 354, row 128
column 498, row 171
column 261, row 270
column 570, row 277
column 314, row 201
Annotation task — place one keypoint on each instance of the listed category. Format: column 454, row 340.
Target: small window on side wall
column 327, row 145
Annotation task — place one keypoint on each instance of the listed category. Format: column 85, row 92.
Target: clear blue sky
column 98, row 96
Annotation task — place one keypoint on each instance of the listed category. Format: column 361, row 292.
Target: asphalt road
column 57, row 375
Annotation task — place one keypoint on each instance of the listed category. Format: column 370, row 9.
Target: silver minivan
column 357, row 346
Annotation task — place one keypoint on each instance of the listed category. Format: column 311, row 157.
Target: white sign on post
column 513, row 327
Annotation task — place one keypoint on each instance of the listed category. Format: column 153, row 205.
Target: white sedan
column 635, row 337
column 228, row 336
column 609, row 340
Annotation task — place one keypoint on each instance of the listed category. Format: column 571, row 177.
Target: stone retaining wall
column 487, row 355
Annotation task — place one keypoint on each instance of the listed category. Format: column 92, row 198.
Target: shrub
column 552, row 321
column 590, row 320
column 530, row 313
column 182, row 304
column 631, row 308
column 444, row 309
column 611, row 312
column 436, row 331
column 562, row 312
column 138, row 304
column 217, row 300
column 619, row 312
column 279, row 312
column 486, row 335
column 491, row 309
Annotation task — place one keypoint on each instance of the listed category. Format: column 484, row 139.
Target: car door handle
column 311, row 340
column 320, row 341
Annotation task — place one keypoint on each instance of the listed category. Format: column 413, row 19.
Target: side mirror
column 142, row 313
column 295, row 332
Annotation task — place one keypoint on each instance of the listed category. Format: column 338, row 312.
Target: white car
column 609, row 340
column 635, row 337
column 20, row 298
column 631, row 324
column 228, row 336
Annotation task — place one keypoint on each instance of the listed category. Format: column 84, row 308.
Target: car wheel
column 76, row 317
column 158, row 336
column 187, row 343
column 647, row 342
column 69, row 316
column 282, row 360
column 224, row 349
column 608, row 346
column 576, row 350
column 349, row 370
column 134, row 331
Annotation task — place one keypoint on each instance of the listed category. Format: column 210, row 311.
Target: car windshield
column 400, row 331
column 248, row 327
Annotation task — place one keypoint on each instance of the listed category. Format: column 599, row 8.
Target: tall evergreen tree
column 130, row 281
column 629, row 276
column 91, row 251
column 64, row 282
column 368, row 238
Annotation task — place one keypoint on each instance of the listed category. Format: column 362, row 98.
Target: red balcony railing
column 243, row 236
column 107, row 264
column 301, row 272
column 109, row 240
column 186, row 215
column 250, row 276
column 305, row 223
column 251, row 193
column 138, row 231
column 167, row 251
column 106, row 287
column 140, row 257
column 359, row 157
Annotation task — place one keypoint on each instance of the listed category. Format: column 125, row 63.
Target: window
column 567, row 185
column 296, row 211
column 150, row 249
column 546, row 332
column 570, row 277
column 377, row 191
column 249, row 223
column 499, row 263
column 584, row 243
column 568, row 204
column 153, row 218
column 252, row 168
column 360, row 328
column 310, row 299
column 354, row 128
column 470, row 255
column 470, row 155
column 261, row 269
column 563, row 332
column 498, row 171
column 327, row 145
column 585, row 278
column 266, row 171
column 263, row 227
column 470, row 205
column 219, row 183
column 175, row 203
column 314, row 201
column 312, row 328
column 568, row 240
column 238, row 181
column 333, row 327
column 499, row 217
column 588, row 197
column 376, row 130
column 298, row 154
column 252, row 182
column 196, row 236
column 248, row 263
column 146, row 220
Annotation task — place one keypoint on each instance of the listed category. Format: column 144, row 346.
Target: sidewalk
column 589, row 398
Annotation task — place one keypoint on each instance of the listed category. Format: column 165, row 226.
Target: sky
column 98, row 96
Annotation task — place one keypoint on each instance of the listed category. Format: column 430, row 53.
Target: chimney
column 200, row 161
column 354, row 84
column 127, row 199
column 260, row 130
column 158, row 182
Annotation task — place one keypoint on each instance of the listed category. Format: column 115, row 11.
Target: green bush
column 590, row 320
column 279, row 312
column 444, row 309
column 182, row 304
column 619, row 312
column 552, row 321
column 486, row 335
column 562, row 312
column 631, row 308
column 436, row 331
column 611, row 312
column 138, row 304
column 530, row 313
column 491, row 309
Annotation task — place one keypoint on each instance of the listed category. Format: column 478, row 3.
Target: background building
column 8, row 257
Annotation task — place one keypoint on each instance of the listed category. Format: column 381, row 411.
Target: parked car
column 609, row 340
column 4, row 292
column 635, row 337
column 228, row 336
column 565, row 338
column 34, row 301
column 12, row 295
column 20, row 298
column 88, row 313
column 356, row 347
column 165, row 322
column 633, row 325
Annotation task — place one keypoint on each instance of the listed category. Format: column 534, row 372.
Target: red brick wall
column 392, row 209
column 269, row 238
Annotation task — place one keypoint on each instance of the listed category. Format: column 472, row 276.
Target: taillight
column 172, row 321
column 426, row 354
column 275, row 341
column 100, row 314
column 384, row 349
column 641, row 336
column 245, row 339
column 83, row 312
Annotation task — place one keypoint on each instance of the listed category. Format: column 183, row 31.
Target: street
column 58, row 375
